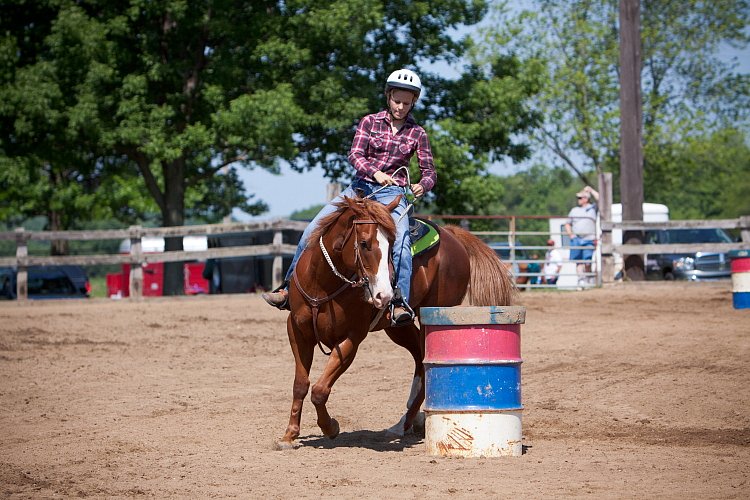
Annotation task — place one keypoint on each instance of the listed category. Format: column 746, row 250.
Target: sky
column 290, row 191
column 284, row 193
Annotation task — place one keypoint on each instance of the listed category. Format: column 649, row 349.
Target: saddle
column 424, row 235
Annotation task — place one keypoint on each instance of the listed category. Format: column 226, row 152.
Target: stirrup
column 405, row 320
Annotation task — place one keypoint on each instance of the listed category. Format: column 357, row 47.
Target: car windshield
column 710, row 235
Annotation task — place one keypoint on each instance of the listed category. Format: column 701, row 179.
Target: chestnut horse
column 341, row 288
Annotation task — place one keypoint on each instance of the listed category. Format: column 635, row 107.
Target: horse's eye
column 364, row 244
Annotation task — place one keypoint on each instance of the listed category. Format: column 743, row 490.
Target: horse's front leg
column 303, row 356
column 340, row 359
column 411, row 338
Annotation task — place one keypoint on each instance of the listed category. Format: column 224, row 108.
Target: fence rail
column 136, row 258
column 277, row 249
column 741, row 223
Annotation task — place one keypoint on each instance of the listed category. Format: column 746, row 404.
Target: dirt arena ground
column 634, row 390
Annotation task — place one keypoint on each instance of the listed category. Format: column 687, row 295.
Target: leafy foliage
column 102, row 99
column 687, row 89
column 702, row 177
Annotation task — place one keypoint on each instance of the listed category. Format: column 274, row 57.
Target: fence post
column 22, row 274
column 605, row 211
column 745, row 228
column 136, row 264
column 278, row 259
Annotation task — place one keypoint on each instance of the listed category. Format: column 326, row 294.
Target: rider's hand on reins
column 383, row 179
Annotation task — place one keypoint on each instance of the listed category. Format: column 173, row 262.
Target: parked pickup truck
column 688, row 266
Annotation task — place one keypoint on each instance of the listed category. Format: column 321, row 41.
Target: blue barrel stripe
column 473, row 387
column 741, row 300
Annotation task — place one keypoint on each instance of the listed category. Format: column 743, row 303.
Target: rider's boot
column 401, row 313
column 279, row 298
column 401, row 316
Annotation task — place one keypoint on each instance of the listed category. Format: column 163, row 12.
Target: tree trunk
column 57, row 247
column 631, row 118
column 173, row 214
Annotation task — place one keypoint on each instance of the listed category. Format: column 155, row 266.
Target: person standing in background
column 581, row 229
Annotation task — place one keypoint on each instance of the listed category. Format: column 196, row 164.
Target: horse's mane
column 363, row 208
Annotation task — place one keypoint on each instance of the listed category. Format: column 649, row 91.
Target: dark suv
column 688, row 266
column 47, row 282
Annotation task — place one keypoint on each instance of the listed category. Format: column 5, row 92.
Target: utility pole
column 631, row 126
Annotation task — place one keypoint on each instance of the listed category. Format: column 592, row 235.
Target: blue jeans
column 581, row 253
column 401, row 246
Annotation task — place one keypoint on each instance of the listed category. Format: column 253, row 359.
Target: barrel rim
column 472, row 409
column 473, row 315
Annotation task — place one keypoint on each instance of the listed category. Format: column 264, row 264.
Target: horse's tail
column 491, row 282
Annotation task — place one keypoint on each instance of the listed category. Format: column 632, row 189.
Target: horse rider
column 383, row 143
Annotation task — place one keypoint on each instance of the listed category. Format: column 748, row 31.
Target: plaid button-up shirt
column 377, row 148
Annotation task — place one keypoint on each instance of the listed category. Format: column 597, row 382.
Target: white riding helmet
column 404, row 79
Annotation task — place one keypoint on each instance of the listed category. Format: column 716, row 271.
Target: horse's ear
column 356, row 205
column 352, row 202
column 360, row 193
column 392, row 205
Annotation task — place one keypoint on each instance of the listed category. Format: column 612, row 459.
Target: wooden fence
column 607, row 249
column 137, row 258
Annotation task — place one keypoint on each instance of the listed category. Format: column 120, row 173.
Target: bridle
column 362, row 274
column 359, row 279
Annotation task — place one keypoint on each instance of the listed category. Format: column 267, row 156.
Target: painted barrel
column 740, row 262
column 473, row 380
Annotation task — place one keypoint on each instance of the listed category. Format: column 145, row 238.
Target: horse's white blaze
column 380, row 286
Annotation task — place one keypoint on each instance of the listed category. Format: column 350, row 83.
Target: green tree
column 44, row 165
column 702, row 177
column 687, row 89
column 481, row 118
column 179, row 92
column 152, row 106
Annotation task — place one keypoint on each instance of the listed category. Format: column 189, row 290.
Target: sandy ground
column 634, row 390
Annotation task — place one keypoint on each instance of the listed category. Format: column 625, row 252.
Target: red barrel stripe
column 741, row 265
column 473, row 342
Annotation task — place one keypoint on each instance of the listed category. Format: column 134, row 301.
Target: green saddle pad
column 424, row 236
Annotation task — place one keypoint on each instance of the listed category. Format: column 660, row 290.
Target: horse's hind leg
column 410, row 338
column 303, row 356
column 340, row 359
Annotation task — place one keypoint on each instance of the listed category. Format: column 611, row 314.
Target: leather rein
column 357, row 280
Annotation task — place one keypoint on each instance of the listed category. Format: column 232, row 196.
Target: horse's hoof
column 335, row 429
column 397, row 430
column 280, row 445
